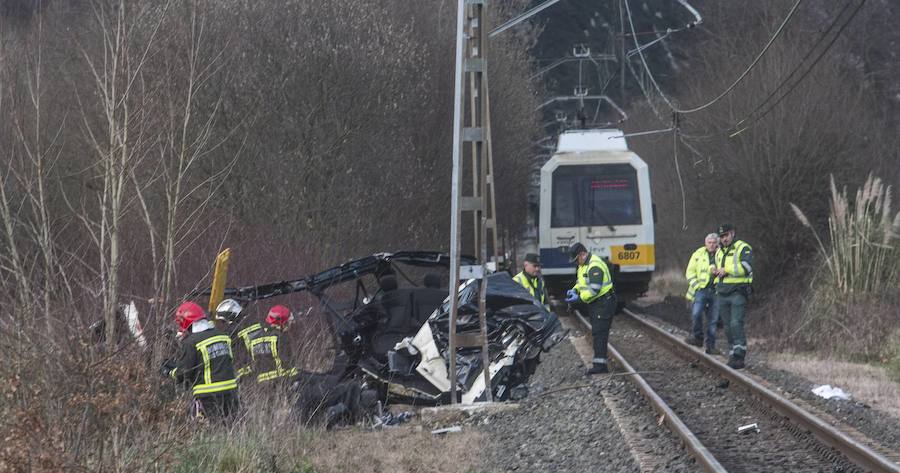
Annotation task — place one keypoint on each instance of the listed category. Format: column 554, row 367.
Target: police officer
column 734, row 270
column 594, row 289
column 701, row 294
column 205, row 364
column 530, row 278
column 271, row 349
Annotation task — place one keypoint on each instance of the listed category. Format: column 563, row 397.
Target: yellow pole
column 220, row 274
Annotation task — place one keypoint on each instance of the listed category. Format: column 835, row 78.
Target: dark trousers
column 731, row 307
column 216, row 407
column 705, row 301
column 600, row 313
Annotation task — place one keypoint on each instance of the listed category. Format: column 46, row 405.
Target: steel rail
column 699, row 451
column 856, row 452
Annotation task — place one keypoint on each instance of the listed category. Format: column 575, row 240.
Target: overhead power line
column 734, row 84
column 798, row 68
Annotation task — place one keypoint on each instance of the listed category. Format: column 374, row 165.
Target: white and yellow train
column 596, row 191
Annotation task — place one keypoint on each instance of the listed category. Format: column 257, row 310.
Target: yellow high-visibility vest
column 536, row 289
column 729, row 259
column 697, row 272
column 587, row 291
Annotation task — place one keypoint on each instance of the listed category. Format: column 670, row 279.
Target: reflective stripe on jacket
column 736, row 261
column 205, row 362
column 593, row 279
column 697, row 272
column 271, row 354
column 242, row 356
column 534, row 285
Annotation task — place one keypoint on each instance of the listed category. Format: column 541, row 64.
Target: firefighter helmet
column 188, row 313
column 279, row 316
column 228, row 311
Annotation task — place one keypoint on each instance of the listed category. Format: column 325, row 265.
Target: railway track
column 703, row 402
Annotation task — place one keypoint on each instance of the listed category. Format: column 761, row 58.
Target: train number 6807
column 629, row 255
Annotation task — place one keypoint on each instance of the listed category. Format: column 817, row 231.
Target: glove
column 167, row 366
column 572, row 295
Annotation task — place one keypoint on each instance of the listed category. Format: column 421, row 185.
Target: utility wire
column 644, row 61
column 737, row 81
column 802, row 77
column 822, row 37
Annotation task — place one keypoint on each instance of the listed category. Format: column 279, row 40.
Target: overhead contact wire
column 737, row 81
column 800, row 80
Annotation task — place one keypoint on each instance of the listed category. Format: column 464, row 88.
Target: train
column 595, row 190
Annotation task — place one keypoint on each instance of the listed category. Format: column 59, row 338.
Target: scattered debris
column 389, row 419
column 827, row 391
column 723, row 384
column 754, row 427
column 447, row 430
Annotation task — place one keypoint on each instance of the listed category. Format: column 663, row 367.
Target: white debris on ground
column 828, row 391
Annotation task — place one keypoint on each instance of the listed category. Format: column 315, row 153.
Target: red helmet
column 279, row 316
column 187, row 314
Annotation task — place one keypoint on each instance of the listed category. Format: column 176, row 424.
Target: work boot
column 713, row 351
column 692, row 340
column 736, row 363
column 598, row 368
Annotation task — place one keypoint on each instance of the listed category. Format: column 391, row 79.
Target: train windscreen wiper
column 605, row 220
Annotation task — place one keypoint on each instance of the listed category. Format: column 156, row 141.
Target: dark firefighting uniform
column 272, row 357
column 241, row 348
column 205, row 364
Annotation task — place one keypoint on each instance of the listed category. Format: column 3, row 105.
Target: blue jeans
column 705, row 301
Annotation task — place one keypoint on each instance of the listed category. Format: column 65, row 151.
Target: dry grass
column 866, row 383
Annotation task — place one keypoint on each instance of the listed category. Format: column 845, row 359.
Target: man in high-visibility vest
column 530, row 278
column 701, row 293
column 205, row 364
column 594, row 289
column 734, row 273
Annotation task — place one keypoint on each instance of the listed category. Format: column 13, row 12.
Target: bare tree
column 120, row 137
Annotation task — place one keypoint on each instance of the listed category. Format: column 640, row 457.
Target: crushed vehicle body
column 396, row 337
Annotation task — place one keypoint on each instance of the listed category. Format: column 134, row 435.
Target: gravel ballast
column 566, row 424
column 879, row 426
column 713, row 411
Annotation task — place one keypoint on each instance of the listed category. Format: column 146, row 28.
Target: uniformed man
column 594, row 289
column 734, row 270
column 701, row 293
column 270, row 348
column 205, row 364
column 241, row 329
column 530, row 278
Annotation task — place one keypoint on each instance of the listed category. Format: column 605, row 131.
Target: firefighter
column 530, row 278
column 594, row 289
column 701, row 293
column 205, row 364
column 270, row 348
column 241, row 329
column 734, row 270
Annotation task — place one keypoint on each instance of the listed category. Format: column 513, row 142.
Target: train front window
column 595, row 195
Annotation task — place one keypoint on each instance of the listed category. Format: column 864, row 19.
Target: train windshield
column 595, row 195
